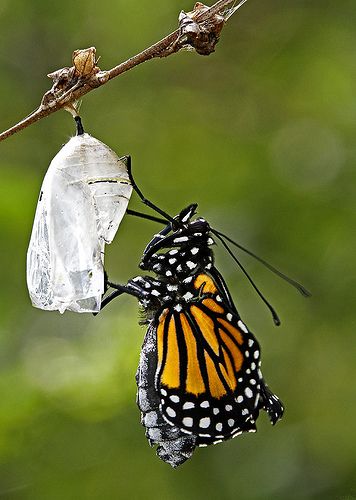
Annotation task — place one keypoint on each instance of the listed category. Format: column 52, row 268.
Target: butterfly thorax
column 180, row 254
column 176, row 260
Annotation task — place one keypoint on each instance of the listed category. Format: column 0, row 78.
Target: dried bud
column 201, row 35
column 84, row 61
column 61, row 78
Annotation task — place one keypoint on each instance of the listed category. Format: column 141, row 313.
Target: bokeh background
column 262, row 135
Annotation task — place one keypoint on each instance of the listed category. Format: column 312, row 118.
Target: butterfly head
column 182, row 249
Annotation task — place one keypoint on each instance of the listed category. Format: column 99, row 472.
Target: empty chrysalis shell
column 83, row 199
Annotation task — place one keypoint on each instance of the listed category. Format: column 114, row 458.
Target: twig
column 199, row 29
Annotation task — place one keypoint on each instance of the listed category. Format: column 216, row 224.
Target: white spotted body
column 83, row 199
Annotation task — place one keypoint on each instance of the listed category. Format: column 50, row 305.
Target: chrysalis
column 83, row 199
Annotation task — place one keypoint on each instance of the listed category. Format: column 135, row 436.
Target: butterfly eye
column 200, row 226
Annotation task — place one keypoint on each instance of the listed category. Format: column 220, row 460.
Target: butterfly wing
column 208, row 367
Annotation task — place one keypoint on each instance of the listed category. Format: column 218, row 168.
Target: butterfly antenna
column 301, row 289
column 147, row 202
column 275, row 317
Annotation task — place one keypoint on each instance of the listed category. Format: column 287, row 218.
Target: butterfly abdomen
column 174, row 446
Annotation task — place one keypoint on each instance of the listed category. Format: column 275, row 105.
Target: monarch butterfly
column 199, row 378
column 83, row 199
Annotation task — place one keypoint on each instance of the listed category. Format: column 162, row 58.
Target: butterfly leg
column 144, row 200
column 141, row 215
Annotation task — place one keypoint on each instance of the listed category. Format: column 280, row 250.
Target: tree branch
column 198, row 30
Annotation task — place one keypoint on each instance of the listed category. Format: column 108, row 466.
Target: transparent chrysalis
column 83, row 199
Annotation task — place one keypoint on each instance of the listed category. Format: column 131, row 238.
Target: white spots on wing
column 188, row 421
column 204, row 404
column 178, row 308
column 168, row 273
column 228, row 407
column 247, row 354
column 138, row 278
column 188, row 405
column 156, row 293
column 240, row 379
column 253, row 381
column 208, row 266
column 229, row 316
column 156, row 267
column 172, row 288
column 191, row 264
column 231, row 422
column 187, row 296
column 219, row 427
column 204, row 422
column 256, row 354
column 259, row 373
column 216, row 411
column 194, row 251
column 173, row 260
column 170, row 412
column 179, row 268
column 181, row 239
column 210, row 241
column 253, row 366
column 174, row 398
column 188, row 280
column 240, row 399
column 242, row 326
column 173, row 252
column 245, row 411
column 248, row 392
column 218, row 298
column 163, row 392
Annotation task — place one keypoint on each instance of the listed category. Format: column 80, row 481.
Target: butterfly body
column 199, row 378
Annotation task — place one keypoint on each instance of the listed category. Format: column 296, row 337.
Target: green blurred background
column 262, row 135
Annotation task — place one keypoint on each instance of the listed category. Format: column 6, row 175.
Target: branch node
column 198, row 33
column 66, row 80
